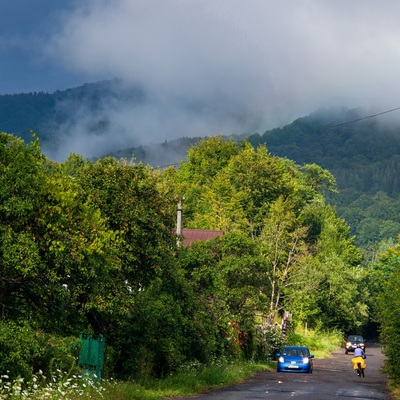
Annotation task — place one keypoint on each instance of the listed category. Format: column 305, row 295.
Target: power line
column 325, row 129
column 361, row 119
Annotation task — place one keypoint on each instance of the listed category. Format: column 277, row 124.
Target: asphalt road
column 333, row 378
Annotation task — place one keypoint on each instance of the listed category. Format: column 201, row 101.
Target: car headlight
column 281, row 359
column 305, row 360
column 348, row 344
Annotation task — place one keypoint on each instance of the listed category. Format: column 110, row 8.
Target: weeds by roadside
column 82, row 388
column 60, row 386
column 189, row 380
column 320, row 343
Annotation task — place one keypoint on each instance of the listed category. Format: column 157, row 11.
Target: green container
column 91, row 356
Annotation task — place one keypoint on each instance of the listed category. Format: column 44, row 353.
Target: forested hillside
column 44, row 113
column 363, row 155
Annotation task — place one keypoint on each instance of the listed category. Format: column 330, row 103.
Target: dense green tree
column 22, row 189
column 144, row 218
column 282, row 245
column 79, row 249
column 333, row 278
column 140, row 214
column 207, row 158
column 280, row 209
column 213, row 269
column 218, row 206
column 240, row 278
column 91, row 246
column 318, row 179
column 52, row 240
column 260, row 179
column 387, row 298
column 169, row 324
column 196, row 177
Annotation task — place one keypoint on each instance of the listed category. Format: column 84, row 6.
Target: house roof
column 192, row 235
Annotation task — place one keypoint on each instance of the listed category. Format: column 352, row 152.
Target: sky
column 243, row 65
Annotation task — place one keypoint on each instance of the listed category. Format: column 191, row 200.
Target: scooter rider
column 359, row 352
column 359, row 361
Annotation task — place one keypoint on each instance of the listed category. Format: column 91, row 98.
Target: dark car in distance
column 295, row 359
column 353, row 341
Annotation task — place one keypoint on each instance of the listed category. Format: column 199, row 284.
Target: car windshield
column 294, row 352
column 355, row 338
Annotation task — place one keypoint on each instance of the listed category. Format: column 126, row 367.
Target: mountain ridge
column 361, row 149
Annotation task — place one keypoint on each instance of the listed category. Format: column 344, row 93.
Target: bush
column 269, row 340
column 320, row 341
column 19, row 349
column 24, row 351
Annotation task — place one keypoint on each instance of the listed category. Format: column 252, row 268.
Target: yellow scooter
column 359, row 365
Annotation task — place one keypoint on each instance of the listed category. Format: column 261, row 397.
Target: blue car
column 295, row 359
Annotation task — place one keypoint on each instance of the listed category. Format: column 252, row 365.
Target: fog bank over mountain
column 112, row 116
column 205, row 67
column 128, row 117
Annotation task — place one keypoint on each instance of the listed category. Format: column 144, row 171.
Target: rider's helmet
column 359, row 346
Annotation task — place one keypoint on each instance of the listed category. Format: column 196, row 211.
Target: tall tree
column 52, row 239
column 386, row 275
column 282, row 244
column 323, row 287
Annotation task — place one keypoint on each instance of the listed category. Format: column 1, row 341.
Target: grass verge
column 204, row 379
column 321, row 344
column 191, row 381
column 184, row 383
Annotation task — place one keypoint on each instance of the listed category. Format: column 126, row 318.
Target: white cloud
column 250, row 64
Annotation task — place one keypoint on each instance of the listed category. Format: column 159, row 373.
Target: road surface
column 333, row 378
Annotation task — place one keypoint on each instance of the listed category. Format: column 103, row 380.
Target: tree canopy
column 91, row 246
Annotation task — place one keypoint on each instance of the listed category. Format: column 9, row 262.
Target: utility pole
column 179, row 223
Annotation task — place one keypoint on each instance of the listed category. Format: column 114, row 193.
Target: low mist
column 218, row 66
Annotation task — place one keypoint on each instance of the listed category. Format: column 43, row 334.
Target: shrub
column 24, row 351
column 269, row 339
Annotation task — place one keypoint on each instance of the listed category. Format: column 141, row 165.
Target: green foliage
column 168, row 327
column 52, row 241
column 362, row 157
column 18, row 350
column 260, row 179
column 136, row 211
column 320, row 342
column 25, row 351
column 20, row 180
column 334, row 276
column 387, row 276
column 373, row 218
column 295, row 252
column 319, row 179
column 91, row 247
column 269, row 340
column 238, row 278
column 207, row 158
column 282, row 245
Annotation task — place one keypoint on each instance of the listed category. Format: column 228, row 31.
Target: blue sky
column 249, row 65
column 25, row 28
